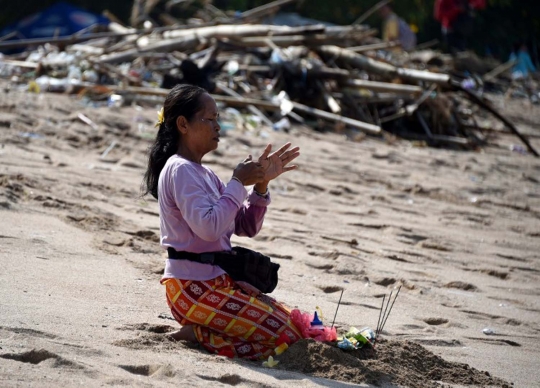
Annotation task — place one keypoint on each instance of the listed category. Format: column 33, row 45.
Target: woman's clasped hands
column 268, row 166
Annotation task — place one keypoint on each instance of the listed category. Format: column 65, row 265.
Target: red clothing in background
column 446, row 11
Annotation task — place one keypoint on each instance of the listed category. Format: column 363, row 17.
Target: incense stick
column 384, row 314
column 384, row 323
column 335, row 315
column 379, row 320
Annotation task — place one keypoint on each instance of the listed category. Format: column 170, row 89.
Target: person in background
column 523, row 67
column 457, row 21
column 395, row 28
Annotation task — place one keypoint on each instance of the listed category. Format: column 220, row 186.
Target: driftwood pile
column 341, row 77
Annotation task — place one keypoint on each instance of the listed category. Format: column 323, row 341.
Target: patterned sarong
column 227, row 321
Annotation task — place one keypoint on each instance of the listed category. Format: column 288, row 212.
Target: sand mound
column 403, row 363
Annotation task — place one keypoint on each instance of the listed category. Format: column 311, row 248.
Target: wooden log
column 255, row 68
column 182, row 40
column 498, row 70
column 478, row 100
column 385, row 87
column 116, row 31
column 287, row 40
column 230, row 101
column 114, row 72
column 243, row 102
column 303, row 40
column 296, row 68
column 163, row 46
column 137, row 13
column 63, row 40
column 375, row 46
column 330, row 101
column 222, row 31
column 369, row 128
column 113, row 18
column 90, row 48
column 383, row 98
column 380, row 68
column 29, row 65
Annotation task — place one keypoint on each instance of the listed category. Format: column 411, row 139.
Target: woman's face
column 202, row 135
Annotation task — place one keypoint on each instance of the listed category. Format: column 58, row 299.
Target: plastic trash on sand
column 318, row 332
column 355, row 339
column 282, row 125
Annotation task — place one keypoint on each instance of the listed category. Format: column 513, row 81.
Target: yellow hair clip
column 160, row 118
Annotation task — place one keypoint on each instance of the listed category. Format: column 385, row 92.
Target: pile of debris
column 337, row 76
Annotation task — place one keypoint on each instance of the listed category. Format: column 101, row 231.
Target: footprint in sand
column 498, row 318
column 312, row 188
column 435, row 245
column 323, row 267
column 435, row 321
column 154, row 370
column 513, row 258
column 38, row 356
column 438, row 342
column 228, row 379
column 146, row 235
column 151, row 328
column 384, row 281
column 461, row 286
column 496, row 341
column 498, row 274
column 368, row 306
column 411, row 238
column 331, row 289
column 153, row 336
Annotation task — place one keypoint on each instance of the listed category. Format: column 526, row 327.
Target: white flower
column 183, row 305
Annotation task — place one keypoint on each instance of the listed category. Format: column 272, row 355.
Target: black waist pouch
column 241, row 264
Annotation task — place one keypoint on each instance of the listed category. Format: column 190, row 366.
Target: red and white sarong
column 227, row 321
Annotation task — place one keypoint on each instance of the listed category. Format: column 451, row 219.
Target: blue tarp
column 61, row 19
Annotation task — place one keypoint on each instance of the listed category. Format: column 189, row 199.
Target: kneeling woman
column 198, row 214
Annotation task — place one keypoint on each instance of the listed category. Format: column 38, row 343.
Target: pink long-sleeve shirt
column 199, row 213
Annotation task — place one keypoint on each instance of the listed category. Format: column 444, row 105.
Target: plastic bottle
column 282, row 125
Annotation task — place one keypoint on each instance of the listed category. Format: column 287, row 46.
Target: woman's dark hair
column 182, row 100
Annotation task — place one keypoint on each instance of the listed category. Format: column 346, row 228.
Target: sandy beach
column 80, row 299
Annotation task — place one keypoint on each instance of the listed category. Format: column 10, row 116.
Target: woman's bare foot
column 184, row 334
